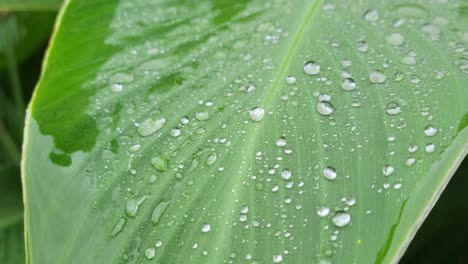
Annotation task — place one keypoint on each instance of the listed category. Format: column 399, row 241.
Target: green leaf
column 12, row 243
column 220, row 131
column 29, row 5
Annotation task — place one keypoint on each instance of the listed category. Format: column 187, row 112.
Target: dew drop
column 150, row 252
column 281, row 142
column 211, row 158
column 395, row 39
column 377, row 76
column 160, row 163
column 158, row 212
column 277, row 258
column 362, row 46
column 205, row 228
column 286, row 174
column 371, row 15
column 132, row 206
column 323, row 211
column 412, row 148
column 117, row 87
column 430, row 131
column 325, row 108
column 150, row 125
column 290, row 79
column 429, row 148
column 410, row 161
column 329, row 173
column 341, row 219
column 388, row 170
column 175, row 132
column 257, row 113
column 348, row 84
column 393, row 108
column 118, row 226
column 311, row 68
column 202, row 116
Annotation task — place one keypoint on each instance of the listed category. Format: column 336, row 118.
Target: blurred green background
column 25, row 29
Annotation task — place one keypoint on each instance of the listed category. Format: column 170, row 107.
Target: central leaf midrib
column 291, row 50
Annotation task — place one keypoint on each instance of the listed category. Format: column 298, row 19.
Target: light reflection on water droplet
column 257, row 114
column 325, row 108
column 329, row 173
column 311, row 68
column 341, row 219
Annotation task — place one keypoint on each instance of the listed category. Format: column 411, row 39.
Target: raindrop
column 175, row 132
column 117, row 87
column 286, row 174
column 377, row 76
column 132, row 206
column 256, row 114
column 341, row 219
column 362, row 46
column 395, row 39
column 410, row 161
column 388, row 170
column 430, row 131
column 329, row 173
column 290, row 79
column 393, row 108
column 118, row 226
column 311, row 68
column 149, row 126
column 348, row 84
column 184, row 120
column 159, row 163
column 371, row 15
column 412, row 148
column 277, row 258
column 325, row 108
column 158, row 211
column 211, row 158
column 281, row 142
column 150, row 252
column 205, row 228
column 202, row 116
column 429, row 148
column 323, row 211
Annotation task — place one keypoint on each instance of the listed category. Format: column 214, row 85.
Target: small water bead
column 160, row 163
column 205, row 228
column 117, row 87
column 430, row 131
column 329, row 173
column 132, row 206
column 325, row 108
column 243, row 218
column 377, row 76
column 211, row 159
column 348, row 84
column 286, row 174
column 345, row 63
column 371, row 15
column 323, row 211
column 341, row 219
column 311, row 68
column 257, row 114
column 277, row 258
column 150, row 126
column 324, row 98
column 281, row 142
column 150, row 252
column 350, row 201
column 397, row 186
column 399, row 76
column 429, row 148
column 244, row 209
column 118, row 226
column 410, row 161
column 184, row 120
column 290, row 79
column 175, row 132
column 413, row 148
column 395, row 39
column 202, row 116
column 362, row 46
column 388, row 170
column 392, row 108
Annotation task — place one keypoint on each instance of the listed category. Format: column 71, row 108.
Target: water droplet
column 371, row 15
column 341, row 219
column 377, row 76
column 175, row 132
column 257, row 113
column 329, row 173
column 158, row 211
column 290, row 79
column 150, row 252
column 277, row 258
column 211, row 158
column 362, row 46
column 410, row 161
column 350, row 201
column 345, row 63
column 393, row 108
column 117, row 87
column 118, row 226
column 202, row 116
column 160, row 163
column 325, row 108
column 205, row 228
column 132, row 206
column 286, row 174
column 429, row 148
column 395, row 39
column 323, row 211
column 150, row 125
column 430, row 131
column 311, row 68
column 184, row 120
column 348, row 84
column 388, row 170
column 281, row 142
column 412, row 148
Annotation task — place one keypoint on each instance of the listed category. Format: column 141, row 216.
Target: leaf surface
column 243, row 131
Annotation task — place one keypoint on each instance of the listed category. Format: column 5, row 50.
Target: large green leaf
column 171, row 132
column 29, row 5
